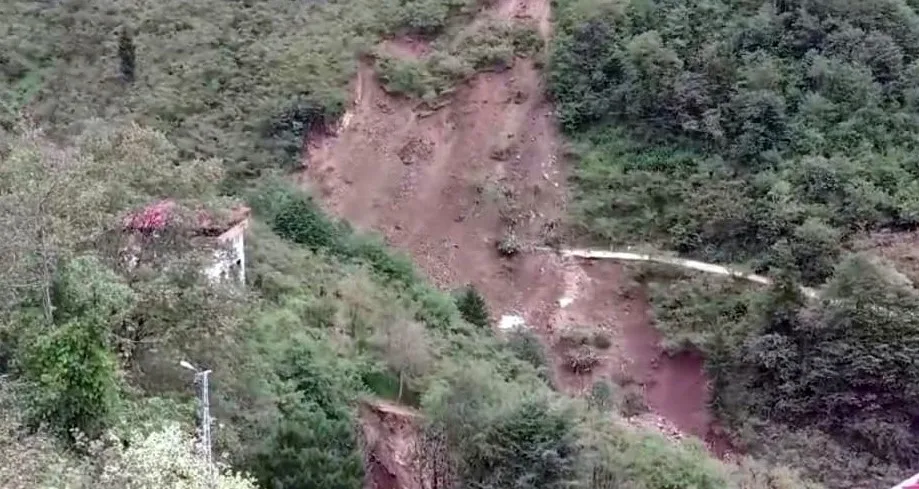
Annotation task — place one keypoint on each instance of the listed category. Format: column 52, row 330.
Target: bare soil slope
column 388, row 433
column 446, row 185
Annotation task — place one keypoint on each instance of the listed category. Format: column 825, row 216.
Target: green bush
column 602, row 396
column 525, row 345
column 616, row 457
column 831, row 365
column 390, row 265
column 283, row 135
column 302, row 222
column 410, row 77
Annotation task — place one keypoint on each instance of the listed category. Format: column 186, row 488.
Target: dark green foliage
column 841, row 365
column 314, row 442
column 304, row 116
column 69, row 370
column 850, row 360
column 297, row 218
column 528, row 447
column 390, row 265
column 310, row 449
column 302, row 222
column 472, row 307
column 499, row 434
column 617, row 457
column 242, row 81
column 771, row 132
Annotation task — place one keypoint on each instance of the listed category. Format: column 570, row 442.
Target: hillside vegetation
column 110, row 105
column 768, row 132
column 772, row 134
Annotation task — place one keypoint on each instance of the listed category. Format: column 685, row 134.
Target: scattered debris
column 416, row 150
column 511, row 321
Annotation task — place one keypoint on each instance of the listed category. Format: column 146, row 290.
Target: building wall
column 230, row 257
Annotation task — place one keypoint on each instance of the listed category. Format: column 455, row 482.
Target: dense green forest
column 737, row 131
column 773, row 134
column 109, row 105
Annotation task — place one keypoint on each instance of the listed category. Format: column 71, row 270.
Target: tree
column 472, row 307
column 165, row 458
column 845, row 364
column 405, row 348
column 313, row 442
column 500, row 434
column 526, row 346
column 42, row 191
column 70, row 373
column 57, row 201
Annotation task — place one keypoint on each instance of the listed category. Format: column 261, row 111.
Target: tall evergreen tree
column 473, row 307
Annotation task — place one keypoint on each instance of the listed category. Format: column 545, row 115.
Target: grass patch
column 484, row 46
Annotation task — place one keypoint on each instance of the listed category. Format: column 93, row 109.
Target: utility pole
column 204, row 406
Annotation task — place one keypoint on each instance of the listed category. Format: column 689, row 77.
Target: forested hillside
column 742, row 131
column 774, row 134
column 111, row 105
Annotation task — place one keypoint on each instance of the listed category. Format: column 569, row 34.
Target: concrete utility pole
column 204, row 406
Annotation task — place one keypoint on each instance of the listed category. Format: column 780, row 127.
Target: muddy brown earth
column 447, row 185
column 388, row 433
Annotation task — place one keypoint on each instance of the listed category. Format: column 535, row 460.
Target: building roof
column 159, row 215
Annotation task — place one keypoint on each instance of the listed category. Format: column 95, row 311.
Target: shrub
column 314, row 443
column 283, row 134
column 301, row 221
column 509, row 244
column 728, row 138
column 601, row 339
column 633, row 401
column 501, row 434
column 617, row 457
column 526, row 346
column 602, row 396
column 71, row 379
column 581, row 360
column 408, row 77
column 390, row 265
column 491, row 44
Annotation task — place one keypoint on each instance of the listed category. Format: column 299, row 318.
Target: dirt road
column 446, row 186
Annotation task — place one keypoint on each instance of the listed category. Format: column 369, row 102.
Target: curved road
column 677, row 262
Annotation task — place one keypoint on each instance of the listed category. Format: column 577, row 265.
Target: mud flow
column 448, row 185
